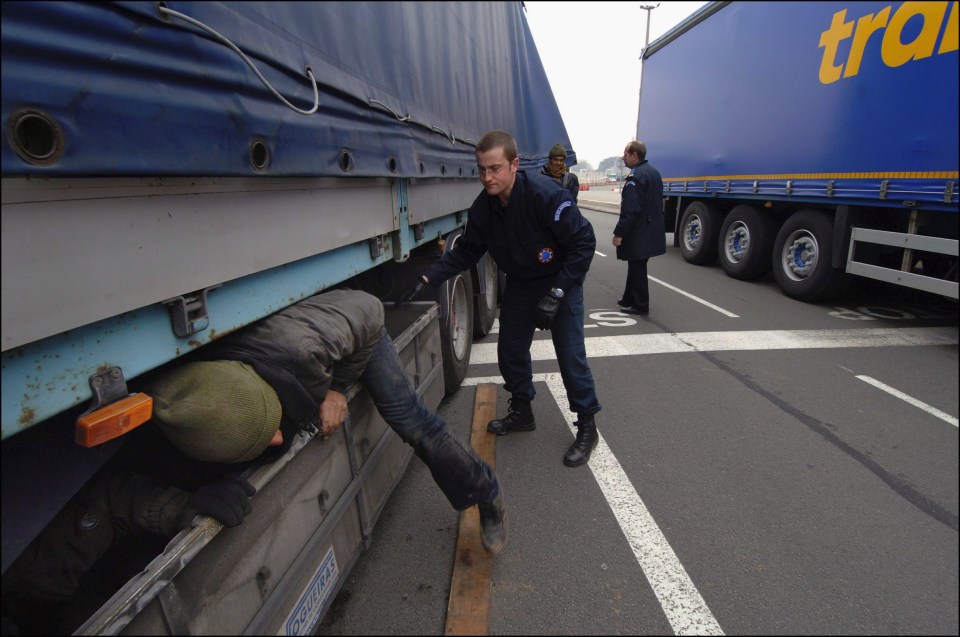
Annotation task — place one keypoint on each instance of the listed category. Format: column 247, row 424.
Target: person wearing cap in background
column 237, row 403
column 557, row 169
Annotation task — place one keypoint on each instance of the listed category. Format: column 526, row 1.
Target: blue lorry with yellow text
column 818, row 140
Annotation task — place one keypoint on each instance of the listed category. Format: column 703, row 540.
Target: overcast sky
column 591, row 53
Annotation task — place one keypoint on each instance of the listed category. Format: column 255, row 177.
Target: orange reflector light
column 114, row 420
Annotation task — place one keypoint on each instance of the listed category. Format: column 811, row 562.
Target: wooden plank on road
column 468, row 610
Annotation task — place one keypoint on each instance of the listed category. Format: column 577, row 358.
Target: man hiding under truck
column 238, row 402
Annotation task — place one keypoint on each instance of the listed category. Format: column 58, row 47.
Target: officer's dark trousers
column 637, row 291
column 518, row 314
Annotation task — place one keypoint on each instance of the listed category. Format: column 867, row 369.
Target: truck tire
column 802, row 257
column 456, row 324
column 456, row 329
column 486, row 301
column 699, row 233
column 746, row 243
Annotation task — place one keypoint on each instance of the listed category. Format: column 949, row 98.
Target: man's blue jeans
column 457, row 469
column 518, row 315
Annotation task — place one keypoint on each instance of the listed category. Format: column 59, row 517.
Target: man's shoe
column 622, row 303
column 493, row 523
column 633, row 310
column 519, row 418
column 587, row 439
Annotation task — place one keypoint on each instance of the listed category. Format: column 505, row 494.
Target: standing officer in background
column 537, row 236
column 556, row 168
column 640, row 232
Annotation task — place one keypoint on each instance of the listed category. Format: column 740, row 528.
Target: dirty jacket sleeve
column 111, row 506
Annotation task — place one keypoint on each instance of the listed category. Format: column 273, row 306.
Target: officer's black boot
column 587, row 438
column 519, row 418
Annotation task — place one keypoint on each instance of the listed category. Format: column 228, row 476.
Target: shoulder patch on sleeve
column 560, row 209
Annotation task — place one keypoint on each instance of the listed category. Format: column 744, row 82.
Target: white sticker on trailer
column 306, row 613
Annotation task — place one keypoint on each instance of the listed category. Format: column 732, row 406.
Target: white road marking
column 636, row 344
column 679, row 598
column 600, row 253
column 695, row 298
column 933, row 411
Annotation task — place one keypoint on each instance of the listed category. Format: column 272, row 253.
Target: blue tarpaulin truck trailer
column 819, row 139
column 173, row 171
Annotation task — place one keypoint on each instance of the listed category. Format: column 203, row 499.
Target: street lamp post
column 646, row 41
column 648, row 8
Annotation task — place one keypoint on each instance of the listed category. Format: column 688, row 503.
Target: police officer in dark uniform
column 537, row 236
column 640, row 232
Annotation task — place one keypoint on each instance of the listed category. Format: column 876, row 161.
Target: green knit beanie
column 557, row 150
column 216, row 411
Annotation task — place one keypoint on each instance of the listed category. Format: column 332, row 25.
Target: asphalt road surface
column 767, row 467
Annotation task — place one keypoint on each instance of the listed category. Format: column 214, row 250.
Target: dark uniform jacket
column 568, row 181
column 539, row 239
column 641, row 215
